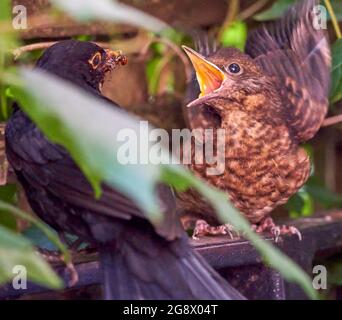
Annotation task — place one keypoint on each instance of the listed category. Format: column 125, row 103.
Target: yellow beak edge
column 209, row 76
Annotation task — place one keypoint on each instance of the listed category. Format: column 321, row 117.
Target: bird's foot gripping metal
column 55, row 257
column 268, row 225
column 202, row 228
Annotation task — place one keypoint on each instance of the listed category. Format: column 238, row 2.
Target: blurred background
column 153, row 83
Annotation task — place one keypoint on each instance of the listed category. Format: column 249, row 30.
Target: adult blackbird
column 268, row 100
column 139, row 261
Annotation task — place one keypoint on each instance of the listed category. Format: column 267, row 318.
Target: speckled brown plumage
column 277, row 101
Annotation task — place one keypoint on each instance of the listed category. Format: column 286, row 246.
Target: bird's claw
column 202, row 228
column 276, row 231
column 285, row 230
column 55, row 257
column 73, row 274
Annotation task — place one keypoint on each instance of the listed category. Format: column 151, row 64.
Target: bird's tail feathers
column 174, row 271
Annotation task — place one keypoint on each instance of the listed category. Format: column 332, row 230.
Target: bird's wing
column 49, row 167
column 297, row 56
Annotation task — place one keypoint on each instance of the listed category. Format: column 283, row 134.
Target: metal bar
column 237, row 261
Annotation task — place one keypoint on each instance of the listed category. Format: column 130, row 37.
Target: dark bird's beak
column 209, row 76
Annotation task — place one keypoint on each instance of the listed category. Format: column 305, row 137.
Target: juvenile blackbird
column 269, row 100
column 139, row 261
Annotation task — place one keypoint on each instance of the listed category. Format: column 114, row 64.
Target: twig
column 31, row 47
column 332, row 120
column 333, row 19
column 44, row 45
column 251, row 10
column 233, row 10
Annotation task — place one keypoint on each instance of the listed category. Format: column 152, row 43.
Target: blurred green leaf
column 40, row 240
column 235, row 35
column 113, row 11
column 88, row 128
column 335, row 272
column 8, row 193
column 153, row 74
column 314, row 191
column 275, row 11
column 336, row 71
column 280, row 6
column 174, row 35
column 154, row 69
column 5, row 10
column 322, row 195
column 84, row 37
column 7, row 43
column 39, row 224
column 8, row 40
column 300, row 205
column 16, row 250
column 337, row 6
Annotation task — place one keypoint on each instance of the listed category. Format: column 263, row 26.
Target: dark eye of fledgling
column 234, row 68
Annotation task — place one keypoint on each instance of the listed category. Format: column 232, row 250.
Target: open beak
column 209, row 76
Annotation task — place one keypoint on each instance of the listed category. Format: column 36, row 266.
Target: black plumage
column 139, row 261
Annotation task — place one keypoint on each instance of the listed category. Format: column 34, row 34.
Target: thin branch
column 44, row 45
column 31, row 47
column 332, row 120
column 253, row 9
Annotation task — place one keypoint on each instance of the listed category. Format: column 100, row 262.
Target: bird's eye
column 234, row 68
column 95, row 60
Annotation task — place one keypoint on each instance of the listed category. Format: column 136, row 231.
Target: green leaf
column 50, row 234
column 16, row 250
column 301, row 204
column 154, row 69
column 336, row 72
column 88, row 128
column 112, row 11
column 235, row 35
